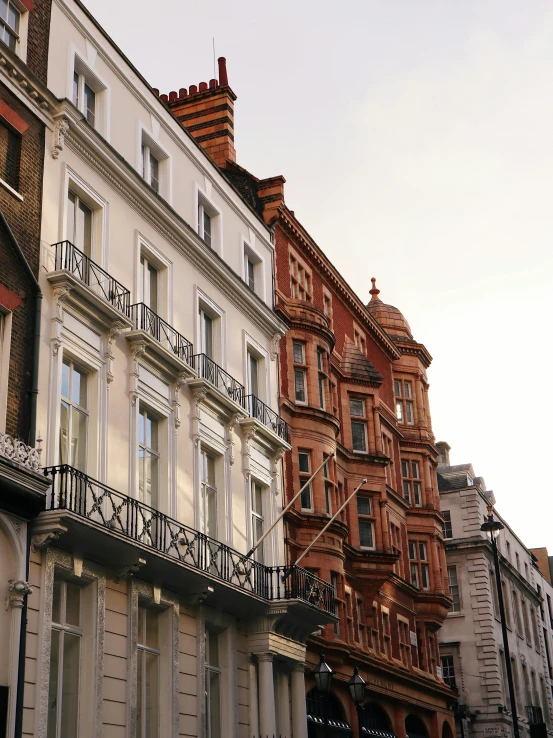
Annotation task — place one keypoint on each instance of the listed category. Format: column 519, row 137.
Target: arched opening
column 375, row 721
column 415, row 727
column 446, row 730
column 322, row 709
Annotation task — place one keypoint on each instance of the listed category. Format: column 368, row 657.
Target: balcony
column 122, row 520
column 267, row 417
column 229, row 392
column 534, row 715
column 164, row 345
column 89, row 287
column 22, row 485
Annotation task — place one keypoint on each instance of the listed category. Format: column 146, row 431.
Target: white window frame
column 204, row 203
column 100, row 215
column 5, row 348
column 84, row 410
column 251, row 346
column 206, row 304
column 146, row 249
column 456, row 584
column 249, row 253
column 148, row 139
column 84, row 69
column 22, row 33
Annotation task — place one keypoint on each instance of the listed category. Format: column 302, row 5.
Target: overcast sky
column 415, row 138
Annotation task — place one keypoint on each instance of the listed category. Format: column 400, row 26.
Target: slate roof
column 355, row 364
column 246, row 184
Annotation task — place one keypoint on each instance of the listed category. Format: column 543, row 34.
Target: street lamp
column 323, row 681
column 357, row 691
column 492, row 527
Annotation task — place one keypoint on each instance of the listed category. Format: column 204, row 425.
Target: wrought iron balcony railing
column 534, row 715
column 145, row 319
column 74, row 261
column 208, row 369
column 268, row 417
column 107, row 508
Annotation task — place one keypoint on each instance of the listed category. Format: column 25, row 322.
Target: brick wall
column 38, row 39
column 23, row 218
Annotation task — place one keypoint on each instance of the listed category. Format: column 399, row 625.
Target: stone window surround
column 203, row 198
column 146, row 248
column 224, row 625
column 248, row 250
column 167, row 604
column 82, row 573
column 149, row 137
column 100, row 217
column 86, row 66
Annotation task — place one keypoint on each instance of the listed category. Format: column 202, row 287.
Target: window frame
column 205, row 205
column 411, row 483
column 102, row 92
column 151, row 451
column 361, row 421
column 205, row 305
column 99, row 206
column 300, row 370
column 250, row 255
column 215, row 669
column 447, row 529
column 303, row 477
column 149, row 145
column 301, row 279
column 363, row 517
column 145, row 649
column 68, row 360
column 454, row 588
column 419, row 567
column 404, row 401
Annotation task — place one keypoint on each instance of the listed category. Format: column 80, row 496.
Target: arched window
column 414, row 727
column 322, row 708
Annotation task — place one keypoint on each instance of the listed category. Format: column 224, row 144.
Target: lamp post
column 492, row 527
column 323, row 680
column 357, row 692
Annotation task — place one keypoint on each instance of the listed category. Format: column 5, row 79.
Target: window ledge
column 11, row 190
column 455, row 614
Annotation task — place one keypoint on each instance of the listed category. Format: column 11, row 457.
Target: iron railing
column 219, row 378
column 71, row 259
column 107, row 508
column 268, row 417
column 534, row 715
column 144, row 319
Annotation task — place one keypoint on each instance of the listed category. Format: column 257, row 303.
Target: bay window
column 420, row 568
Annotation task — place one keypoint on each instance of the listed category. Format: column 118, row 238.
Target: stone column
column 377, row 430
column 421, row 414
column 267, row 720
column 386, row 543
column 254, row 699
column 299, row 714
column 399, row 720
column 284, row 705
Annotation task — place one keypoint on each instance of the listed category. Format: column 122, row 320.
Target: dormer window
column 9, row 24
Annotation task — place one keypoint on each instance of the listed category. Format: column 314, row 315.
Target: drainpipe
column 31, row 441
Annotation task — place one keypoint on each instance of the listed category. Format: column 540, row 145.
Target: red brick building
column 353, row 386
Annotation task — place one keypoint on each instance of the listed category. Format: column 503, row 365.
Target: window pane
column 257, row 499
column 409, row 412
column 254, row 388
column 358, row 436
column 79, row 422
column 299, row 385
column 152, row 275
column 365, row 533
column 207, row 335
column 425, row 576
column 298, row 352
column 53, row 684
column 417, row 493
column 73, row 605
column 407, row 491
column 306, row 498
column 152, row 622
column 64, row 433
column 83, row 228
column 422, row 551
column 397, row 389
column 139, row 690
column 407, row 389
column 214, row 705
column 415, row 469
column 154, row 173
column 75, row 89
column 211, row 512
column 414, row 575
column 405, row 469
column 399, row 410
column 207, row 229
column 79, row 388
column 364, row 506
column 144, row 155
column 304, row 462
column 152, row 695
column 70, row 685
column 90, row 105
column 357, row 408
column 213, row 649
column 412, row 550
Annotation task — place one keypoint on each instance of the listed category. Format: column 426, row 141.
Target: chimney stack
column 207, row 113
column 443, row 449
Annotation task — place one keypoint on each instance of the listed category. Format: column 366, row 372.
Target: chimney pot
column 193, row 89
column 223, row 78
column 212, row 84
column 156, row 90
column 183, row 92
column 164, row 98
column 173, row 95
column 203, row 86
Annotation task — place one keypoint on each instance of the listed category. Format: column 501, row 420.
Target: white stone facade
column 471, row 644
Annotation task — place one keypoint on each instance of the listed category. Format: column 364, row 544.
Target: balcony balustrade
column 258, row 410
column 207, row 369
column 534, row 715
column 118, row 513
column 144, row 319
column 70, row 259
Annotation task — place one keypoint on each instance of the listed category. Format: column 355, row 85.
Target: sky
column 415, row 137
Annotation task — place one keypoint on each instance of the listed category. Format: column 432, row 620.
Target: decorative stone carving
column 137, row 350
column 275, row 340
column 42, row 540
column 275, row 466
column 60, row 129
column 60, row 293
column 20, row 453
column 198, row 598
column 181, row 379
column 231, row 425
column 108, row 355
column 129, row 570
column 18, row 590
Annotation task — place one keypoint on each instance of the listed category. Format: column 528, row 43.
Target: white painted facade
column 123, row 546
column 471, row 638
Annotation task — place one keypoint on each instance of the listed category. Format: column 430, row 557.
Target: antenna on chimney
column 214, row 69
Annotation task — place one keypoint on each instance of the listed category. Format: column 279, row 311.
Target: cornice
column 309, row 411
column 19, row 79
column 289, row 222
column 178, row 134
column 415, row 349
column 101, row 157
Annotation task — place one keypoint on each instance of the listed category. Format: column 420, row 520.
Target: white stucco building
column 471, row 644
column 158, row 397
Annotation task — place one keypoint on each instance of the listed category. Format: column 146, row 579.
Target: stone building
column 25, row 115
column 471, row 643
column 353, row 388
column 157, row 383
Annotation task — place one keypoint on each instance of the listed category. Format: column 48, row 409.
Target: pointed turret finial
column 374, row 292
